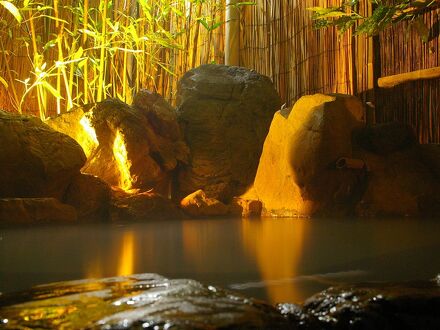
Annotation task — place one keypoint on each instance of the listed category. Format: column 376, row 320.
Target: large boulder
column 225, row 113
column 35, row 211
column 298, row 173
column 145, row 301
column 403, row 178
column 413, row 305
column 35, row 160
column 133, row 147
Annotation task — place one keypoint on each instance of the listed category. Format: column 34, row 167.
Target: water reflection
column 277, row 246
column 126, row 259
column 274, row 259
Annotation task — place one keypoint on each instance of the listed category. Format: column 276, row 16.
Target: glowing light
column 121, row 157
column 87, row 139
column 126, row 261
column 277, row 245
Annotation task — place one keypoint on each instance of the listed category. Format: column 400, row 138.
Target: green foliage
column 81, row 54
column 385, row 14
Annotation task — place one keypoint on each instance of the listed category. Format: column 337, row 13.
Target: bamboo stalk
column 394, row 80
column 84, row 45
column 101, row 80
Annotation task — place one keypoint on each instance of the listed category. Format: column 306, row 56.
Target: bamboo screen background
column 277, row 39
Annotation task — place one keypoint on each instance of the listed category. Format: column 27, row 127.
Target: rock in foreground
column 146, row 301
column 370, row 306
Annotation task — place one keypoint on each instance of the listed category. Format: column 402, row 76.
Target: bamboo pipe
column 394, row 80
column 350, row 163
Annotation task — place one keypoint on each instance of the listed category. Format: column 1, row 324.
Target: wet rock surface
column 225, row 113
column 35, row 160
column 146, row 301
column 370, row 306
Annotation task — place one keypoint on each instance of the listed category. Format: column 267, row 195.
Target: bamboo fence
column 416, row 103
column 278, row 40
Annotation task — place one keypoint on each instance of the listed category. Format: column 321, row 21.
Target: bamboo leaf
column 3, row 82
column 12, row 9
column 51, row 89
column 422, row 29
column 78, row 54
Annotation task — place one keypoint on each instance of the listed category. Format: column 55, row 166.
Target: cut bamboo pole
column 232, row 46
column 394, row 80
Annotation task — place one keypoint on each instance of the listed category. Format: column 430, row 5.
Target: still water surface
column 279, row 260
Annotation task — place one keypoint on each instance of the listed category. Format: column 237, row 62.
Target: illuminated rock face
column 297, row 174
column 198, row 204
column 36, row 160
column 225, row 113
column 144, row 301
column 132, row 147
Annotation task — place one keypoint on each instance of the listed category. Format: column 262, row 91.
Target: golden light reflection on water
column 277, row 246
column 122, row 264
column 126, row 258
column 192, row 244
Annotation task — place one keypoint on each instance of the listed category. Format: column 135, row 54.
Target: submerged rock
column 35, row 211
column 369, row 306
column 225, row 113
column 297, row 174
column 146, row 301
column 198, row 204
column 35, row 160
